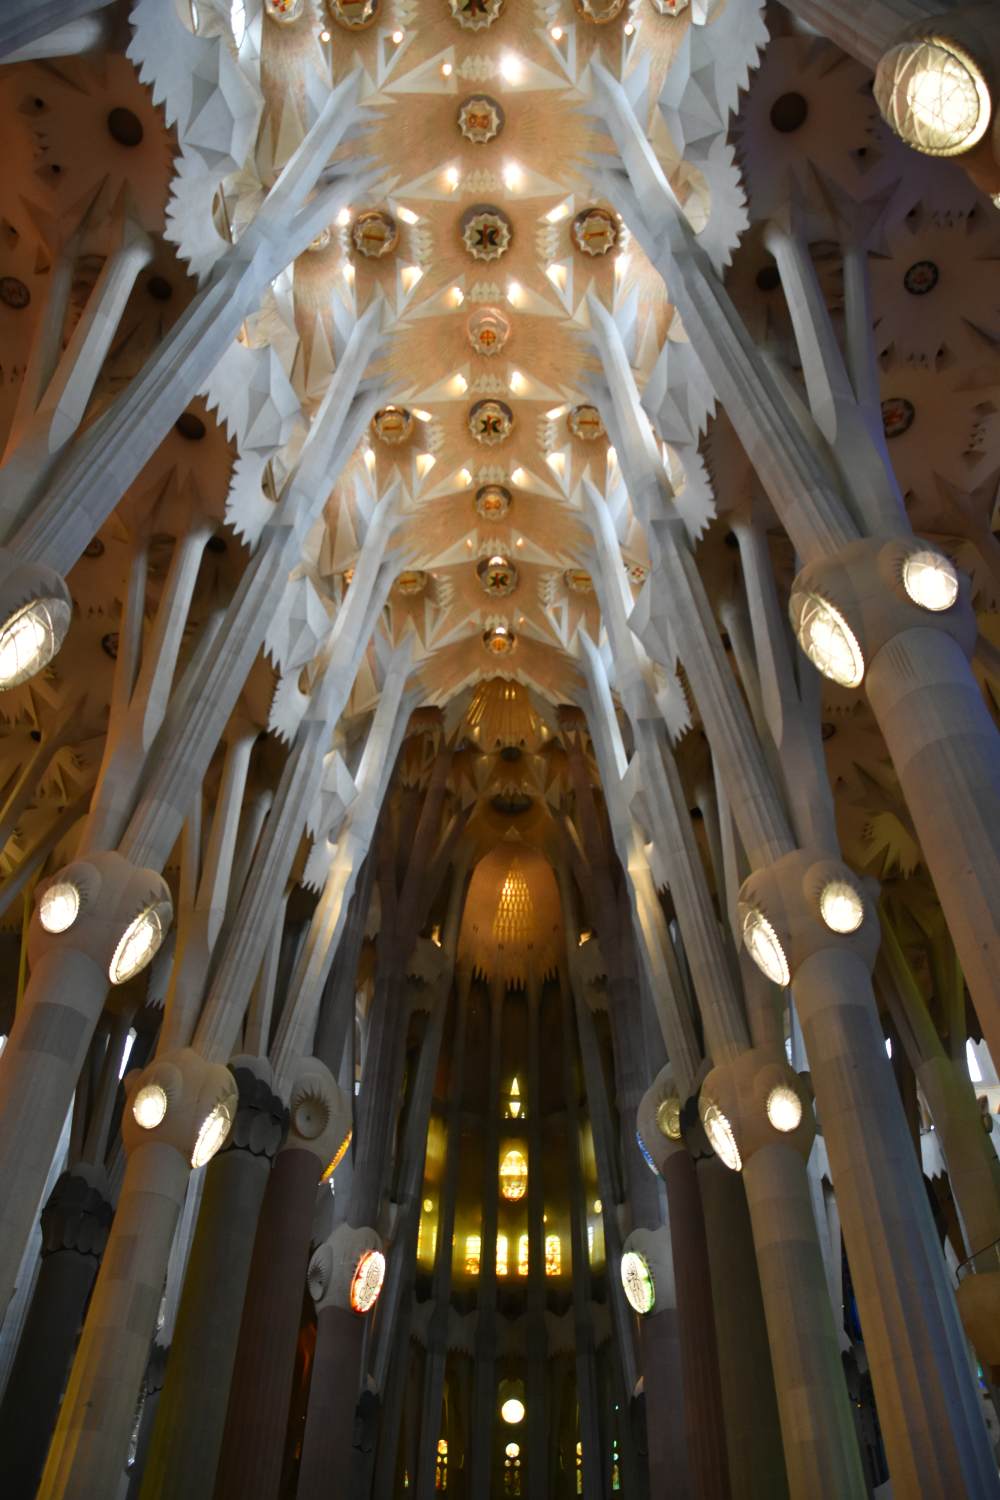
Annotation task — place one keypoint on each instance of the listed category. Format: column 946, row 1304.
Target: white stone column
column 172, row 1108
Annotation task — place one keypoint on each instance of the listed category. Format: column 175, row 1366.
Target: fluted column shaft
column 184, row 1449
column 704, row 1419
column 254, row 1436
column 74, row 1228
column 484, row 1378
column 329, row 1434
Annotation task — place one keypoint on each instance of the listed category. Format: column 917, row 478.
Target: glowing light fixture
column 932, row 93
column 930, row 580
column 407, row 215
column 212, row 1135
column 149, row 1106
column 512, row 1411
column 512, row 1450
column 139, row 942
column 446, row 70
column 512, row 176
column 841, row 907
column 827, row 639
column 514, row 1176
column 397, row 36
column 30, row 639
column 720, row 1134
column 784, row 1108
column 764, row 946
column 367, row 1281
column 637, row 1282
column 511, row 68
column 59, row 906
column 556, row 33
column 668, row 1118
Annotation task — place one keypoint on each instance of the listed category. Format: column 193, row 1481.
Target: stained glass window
column 553, row 1255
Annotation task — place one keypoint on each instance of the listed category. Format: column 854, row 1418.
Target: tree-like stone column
column 259, row 1395
column 175, row 1109
column 340, row 1329
column 184, row 1449
column 75, row 1224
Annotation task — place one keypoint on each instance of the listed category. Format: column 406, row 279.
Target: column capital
column 103, row 906
column 805, row 902
column 752, row 1101
column 260, row 1125
column 182, row 1101
column 77, row 1214
column 847, row 606
column 347, row 1270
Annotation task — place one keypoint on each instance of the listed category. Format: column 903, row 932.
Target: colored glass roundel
column 499, row 640
column 412, row 581
column 480, row 118
column 491, row 422
column 367, row 1281
column 375, row 233
column 488, row 330
column 497, row 576
column 595, row 231
column 922, row 277
column 284, row 11
column 353, row 15
column 897, row 416
column 585, row 422
column 393, row 424
column 492, row 501
column 637, row 1282
column 486, row 232
column 475, row 15
column 599, row 12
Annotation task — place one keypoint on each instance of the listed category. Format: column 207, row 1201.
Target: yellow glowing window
column 441, row 1465
column 522, row 1256
column 553, row 1255
column 513, row 1110
column 473, row 1246
column 514, row 1175
column 512, row 923
column 501, row 1255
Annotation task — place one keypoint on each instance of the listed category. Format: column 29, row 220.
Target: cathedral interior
column 499, row 758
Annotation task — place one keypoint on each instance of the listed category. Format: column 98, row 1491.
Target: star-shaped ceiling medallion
column 497, row 576
column 480, row 118
column 375, row 233
column 353, row 15
column 491, row 422
column 486, row 232
column 475, row 15
column 585, row 422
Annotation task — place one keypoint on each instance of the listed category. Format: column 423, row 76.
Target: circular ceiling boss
column 480, row 118
column 595, row 231
column 599, row 12
column 585, row 422
column 497, row 576
column 486, row 231
column 353, row 15
column 475, row 15
column 491, row 422
column 488, row 330
column 375, row 233
column 492, row 501
column 393, row 424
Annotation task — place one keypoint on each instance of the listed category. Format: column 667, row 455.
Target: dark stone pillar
column 704, row 1420
column 333, row 1396
column 260, row 1393
column 187, row 1438
column 152, row 1388
column 75, row 1223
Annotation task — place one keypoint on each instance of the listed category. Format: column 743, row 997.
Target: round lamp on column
column 35, row 611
